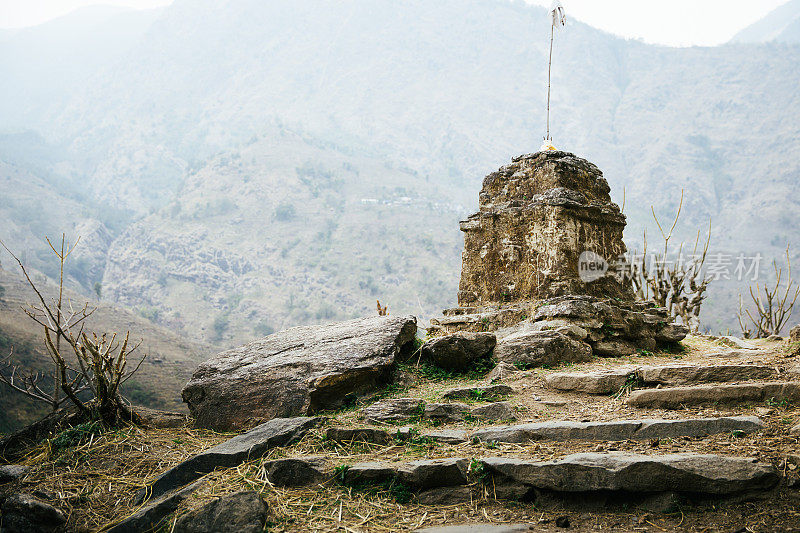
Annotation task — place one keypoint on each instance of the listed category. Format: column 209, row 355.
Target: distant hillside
column 171, row 360
column 254, row 165
column 781, row 25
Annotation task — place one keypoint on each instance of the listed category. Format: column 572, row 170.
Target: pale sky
column 671, row 22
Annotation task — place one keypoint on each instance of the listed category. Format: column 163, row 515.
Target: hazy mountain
column 44, row 66
column 781, row 25
column 261, row 164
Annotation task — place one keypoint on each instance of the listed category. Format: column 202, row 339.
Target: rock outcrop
column 297, row 371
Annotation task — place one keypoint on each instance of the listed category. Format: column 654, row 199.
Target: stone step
column 562, row 430
column 635, row 473
column 399, row 409
column 250, row 445
column 611, row 381
column 628, row 475
column 678, row 397
column 485, row 393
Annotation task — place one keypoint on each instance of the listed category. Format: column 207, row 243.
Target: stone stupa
column 540, row 220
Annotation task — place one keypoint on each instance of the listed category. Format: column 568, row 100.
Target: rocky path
column 702, row 440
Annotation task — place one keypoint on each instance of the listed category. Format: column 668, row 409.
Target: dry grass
column 94, row 481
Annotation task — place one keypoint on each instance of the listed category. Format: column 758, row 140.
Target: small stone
column 448, row 436
column 296, row 472
column 662, row 502
column 502, row 372
column 488, row 393
column 795, row 430
column 495, row 411
column 614, row 348
column 735, row 342
column 794, row 334
column 429, row 473
column 775, row 338
column 393, row 410
column 9, row 473
column 599, row 382
column 377, row 436
column 241, row 512
column 446, row 412
column 541, row 348
column 764, row 411
column 458, row 351
column 444, row 496
column 368, row 473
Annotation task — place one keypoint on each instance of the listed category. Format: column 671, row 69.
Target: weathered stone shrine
column 538, row 218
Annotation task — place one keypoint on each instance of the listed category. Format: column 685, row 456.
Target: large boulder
column 459, row 350
column 540, row 348
column 298, row 371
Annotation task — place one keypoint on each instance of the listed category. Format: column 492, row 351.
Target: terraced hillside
column 547, row 449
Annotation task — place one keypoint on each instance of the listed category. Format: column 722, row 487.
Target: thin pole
column 549, row 65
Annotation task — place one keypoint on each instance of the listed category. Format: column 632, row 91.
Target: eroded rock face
column 298, row 371
column 536, row 216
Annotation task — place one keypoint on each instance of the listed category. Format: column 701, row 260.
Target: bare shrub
column 100, row 360
column 679, row 285
column 773, row 304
